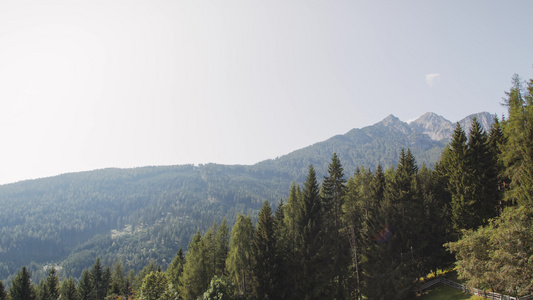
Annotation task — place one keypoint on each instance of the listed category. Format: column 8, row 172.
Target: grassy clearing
column 444, row 292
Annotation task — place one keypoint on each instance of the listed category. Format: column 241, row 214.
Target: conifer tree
column 282, row 254
column 239, row 261
column 21, row 287
column 51, row 285
column 3, row 294
column 290, row 213
column 118, row 280
column 99, row 288
column 155, row 287
column 221, row 248
column 435, row 219
column 311, row 249
column 333, row 191
column 517, row 154
column 196, row 271
column 290, row 238
column 68, row 289
column 496, row 141
column 483, row 176
column 175, row 269
column 454, row 161
column 394, row 246
column 265, row 267
column 357, row 208
column 85, row 286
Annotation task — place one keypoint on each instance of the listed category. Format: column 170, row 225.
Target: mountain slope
column 376, row 144
column 148, row 213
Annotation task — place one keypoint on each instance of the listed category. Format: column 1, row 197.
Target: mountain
column 149, row 213
column 376, row 144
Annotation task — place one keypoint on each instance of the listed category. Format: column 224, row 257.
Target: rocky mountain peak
column 392, row 121
column 435, row 126
column 484, row 118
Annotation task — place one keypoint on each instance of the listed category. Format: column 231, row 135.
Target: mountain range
column 142, row 214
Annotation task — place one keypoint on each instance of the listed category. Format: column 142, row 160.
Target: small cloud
column 432, row 78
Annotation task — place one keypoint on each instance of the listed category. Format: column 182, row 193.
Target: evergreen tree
column 358, row 203
column 21, row 287
column 282, row 254
column 42, row 291
column 68, row 289
column 118, row 281
column 265, row 267
column 291, row 211
column 496, row 141
column 394, row 253
column 3, row 294
column 155, row 286
column 150, row 268
column 311, row 248
column 52, row 285
column 196, row 271
column 333, row 191
column 454, row 161
column 85, row 286
column 517, row 153
column 435, row 219
column 175, row 269
column 219, row 289
column 106, row 279
column 484, row 175
column 290, row 237
column 498, row 256
column 239, row 261
column 221, row 248
column 99, row 288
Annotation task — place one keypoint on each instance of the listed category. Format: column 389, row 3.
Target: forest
column 374, row 235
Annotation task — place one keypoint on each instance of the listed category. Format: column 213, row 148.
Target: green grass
column 443, row 292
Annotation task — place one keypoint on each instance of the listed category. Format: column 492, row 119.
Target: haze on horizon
column 89, row 85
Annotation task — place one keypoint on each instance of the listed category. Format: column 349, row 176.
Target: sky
column 86, row 85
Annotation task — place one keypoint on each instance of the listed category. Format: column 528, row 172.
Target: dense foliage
column 149, row 213
column 374, row 235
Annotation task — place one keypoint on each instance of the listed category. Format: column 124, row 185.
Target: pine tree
column 154, row 287
column 52, row 285
column 496, row 141
column 99, row 288
column 175, row 269
column 239, row 261
column 3, row 294
column 282, row 253
column 454, row 161
column 85, row 287
column 394, row 246
column 517, row 153
column 358, row 204
column 221, row 248
column 118, row 280
column 310, row 221
column 483, row 176
column 291, row 237
column 68, row 289
column 196, row 271
column 265, row 268
column 21, row 286
column 333, row 191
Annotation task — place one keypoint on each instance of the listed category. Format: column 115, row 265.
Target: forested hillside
column 374, row 235
column 148, row 213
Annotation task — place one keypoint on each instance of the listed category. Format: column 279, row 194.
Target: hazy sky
column 94, row 84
